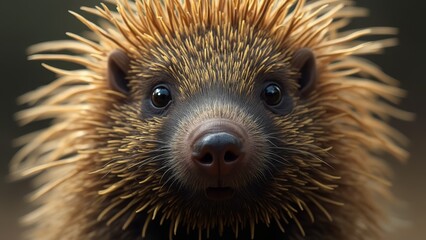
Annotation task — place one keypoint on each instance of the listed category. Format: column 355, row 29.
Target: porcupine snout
column 218, row 147
column 217, row 144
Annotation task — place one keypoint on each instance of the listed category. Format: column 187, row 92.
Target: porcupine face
column 213, row 116
column 219, row 108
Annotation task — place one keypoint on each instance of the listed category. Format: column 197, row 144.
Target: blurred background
column 23, row 23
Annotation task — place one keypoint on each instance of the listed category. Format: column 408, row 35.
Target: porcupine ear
column 304, row 61
column 118, row 66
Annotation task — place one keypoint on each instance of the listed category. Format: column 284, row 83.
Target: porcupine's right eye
column 161, row 97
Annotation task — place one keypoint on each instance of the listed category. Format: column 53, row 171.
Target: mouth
column 219, row 193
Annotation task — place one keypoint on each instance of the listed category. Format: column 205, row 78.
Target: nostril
column 206, row 159
column 230, row 156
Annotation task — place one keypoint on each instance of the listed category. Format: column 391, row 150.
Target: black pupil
column 272, row 94
column 161, row 97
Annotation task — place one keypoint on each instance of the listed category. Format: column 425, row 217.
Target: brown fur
column 104, row 173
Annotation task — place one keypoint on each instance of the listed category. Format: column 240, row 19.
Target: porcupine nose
column 218, row 151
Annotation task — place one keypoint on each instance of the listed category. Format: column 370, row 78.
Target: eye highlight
column 272, row 94
column 161, row 96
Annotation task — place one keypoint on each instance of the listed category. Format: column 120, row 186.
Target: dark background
column 23, row 23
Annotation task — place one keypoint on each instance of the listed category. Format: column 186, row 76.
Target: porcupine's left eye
column 272, row 94
column 161, row 97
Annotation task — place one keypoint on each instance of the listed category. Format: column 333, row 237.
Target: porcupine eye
column 161, row 97
column 272, row 94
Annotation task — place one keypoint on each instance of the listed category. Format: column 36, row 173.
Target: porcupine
column 213, row 119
